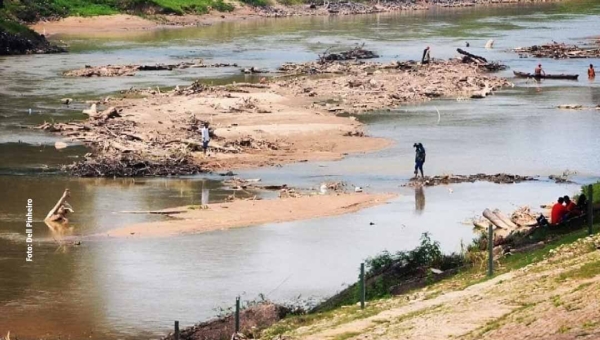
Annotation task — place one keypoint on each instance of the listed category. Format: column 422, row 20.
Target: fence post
column 490, row 250
column 362, row 286
column 237, row 314
column 176, row 333
column 590, row 211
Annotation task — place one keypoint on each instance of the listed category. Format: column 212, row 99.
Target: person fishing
column 419, row 159
column 426, row 56
column 591, row 72
column 539, row 71
column 205, row 137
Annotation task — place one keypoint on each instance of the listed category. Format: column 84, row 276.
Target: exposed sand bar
column 244, row 213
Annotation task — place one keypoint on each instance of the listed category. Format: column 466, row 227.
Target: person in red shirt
column 572, row 209
column 558, row 212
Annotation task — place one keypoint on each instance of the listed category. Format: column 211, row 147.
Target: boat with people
column 545, row 76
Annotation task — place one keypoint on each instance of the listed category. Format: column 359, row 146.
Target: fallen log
column 472, row 56
column 495, row 220
column 505, row 219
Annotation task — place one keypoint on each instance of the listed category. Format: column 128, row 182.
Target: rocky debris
column 252, row 321
column 249, row 142
column 354, row 133
column 356, row 53
column 14, row 44
column 558, row 51
column 253, row 70
column 453, row 179
column 130, row 70
column 339, row 8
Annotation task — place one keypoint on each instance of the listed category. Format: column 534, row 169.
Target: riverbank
column 239, row 11
column 548, row 293
column 244, row 213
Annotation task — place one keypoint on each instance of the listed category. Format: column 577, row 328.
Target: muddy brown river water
column 134, row 289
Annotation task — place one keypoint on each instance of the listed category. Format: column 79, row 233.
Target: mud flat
column 286, row 120
column 244, row 213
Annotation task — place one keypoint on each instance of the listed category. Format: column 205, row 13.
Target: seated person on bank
column 558, row 213
column 582, row 203
column 572, row 209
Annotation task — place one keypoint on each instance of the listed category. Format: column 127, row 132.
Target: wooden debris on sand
column 482, row 62
column 131, row 165
column 558, row 51
column 130, row 70
column 453, row 179
column 521, row 224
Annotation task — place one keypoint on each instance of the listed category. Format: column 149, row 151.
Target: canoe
column 547, row 76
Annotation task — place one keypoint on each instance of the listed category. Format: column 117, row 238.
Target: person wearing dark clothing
column 582, row 203
column 426, row 56
column 419, row 158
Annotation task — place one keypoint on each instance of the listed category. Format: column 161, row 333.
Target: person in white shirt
column 205, row 137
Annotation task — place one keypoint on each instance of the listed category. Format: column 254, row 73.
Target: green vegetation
column 586, row 271
column 596, row 189
column 34, row 10
column 387, row 270
column 257, row 3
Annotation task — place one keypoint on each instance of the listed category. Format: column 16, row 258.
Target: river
column 134, row 289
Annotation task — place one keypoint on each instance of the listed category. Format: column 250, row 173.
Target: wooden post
column 362, row 286
column 490, row 250
column 590, row 211
column 176, row 334
column 237, row 314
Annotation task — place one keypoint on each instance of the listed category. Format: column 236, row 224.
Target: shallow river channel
column 134, row 289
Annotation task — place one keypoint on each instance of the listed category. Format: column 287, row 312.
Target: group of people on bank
column 565, row 209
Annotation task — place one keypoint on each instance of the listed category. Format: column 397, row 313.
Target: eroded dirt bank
column 244, row 213
column 285, row 120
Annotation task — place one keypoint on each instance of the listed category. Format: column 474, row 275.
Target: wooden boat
column 547, row 76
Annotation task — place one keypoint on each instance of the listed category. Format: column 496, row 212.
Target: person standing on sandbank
column 426, row 56
column 591, row 72
column 205, row 137
column 419, row 159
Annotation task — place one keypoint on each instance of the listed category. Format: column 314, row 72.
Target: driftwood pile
column 454, row 179
column 558, row 51
column 356, row 53
column 371, row 86
column 482, row 62
column 130, row 70
column 521, row 224
column 131, row 165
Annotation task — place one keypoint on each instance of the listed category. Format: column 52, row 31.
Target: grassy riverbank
column 527, row 291
column 550, row 281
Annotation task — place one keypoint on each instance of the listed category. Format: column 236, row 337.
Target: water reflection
column 419, row 199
